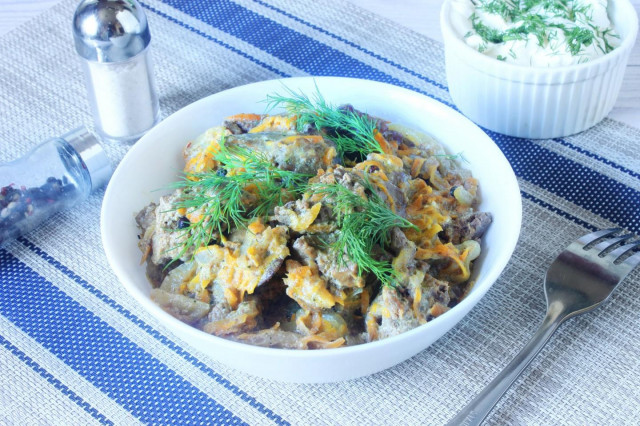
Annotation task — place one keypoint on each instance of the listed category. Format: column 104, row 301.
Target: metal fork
column 579, row 280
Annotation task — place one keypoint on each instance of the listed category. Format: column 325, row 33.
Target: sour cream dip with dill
column 536, row 33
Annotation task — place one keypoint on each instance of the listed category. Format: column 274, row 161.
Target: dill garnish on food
column 452, row 157
column 354, row 134
column 244, row 186
column 273, row 241
column 365, row 223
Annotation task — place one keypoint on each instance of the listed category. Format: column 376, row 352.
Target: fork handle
column 475, row 412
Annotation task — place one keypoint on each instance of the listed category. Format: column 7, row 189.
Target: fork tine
column 622, row 250
column 589, row 238
column 606, row 244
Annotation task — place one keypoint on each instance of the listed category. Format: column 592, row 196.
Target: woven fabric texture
column 75, row 347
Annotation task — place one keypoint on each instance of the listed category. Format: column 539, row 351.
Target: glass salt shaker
column 57, row 175
column 112, row 37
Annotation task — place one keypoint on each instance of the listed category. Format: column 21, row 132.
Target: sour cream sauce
column 528, row 51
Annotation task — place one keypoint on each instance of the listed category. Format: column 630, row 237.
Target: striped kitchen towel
column 76, row 349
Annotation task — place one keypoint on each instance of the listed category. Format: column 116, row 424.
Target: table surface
column 418, row 15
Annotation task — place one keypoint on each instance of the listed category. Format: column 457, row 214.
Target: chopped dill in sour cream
column 539, row 33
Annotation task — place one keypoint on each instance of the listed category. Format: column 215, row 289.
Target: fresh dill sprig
column 541, row 18
column 219, row 203
column 486, row 32
column 458, row 156
column 498, row 7
column 352, row 133
column 246, row 185
column 364, row 223
column 578, row 37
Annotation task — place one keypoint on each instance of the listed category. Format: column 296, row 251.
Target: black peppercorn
column 183, row 222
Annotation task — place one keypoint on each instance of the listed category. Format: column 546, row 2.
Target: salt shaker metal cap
column 112, row 37
column 110, row 31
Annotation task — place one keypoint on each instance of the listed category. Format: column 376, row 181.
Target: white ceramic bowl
column 156, row 159
column 536, row 102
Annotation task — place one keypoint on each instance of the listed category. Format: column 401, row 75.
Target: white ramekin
column 536, row 103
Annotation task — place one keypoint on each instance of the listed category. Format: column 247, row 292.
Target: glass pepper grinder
column 112, row 37
column 57, row 175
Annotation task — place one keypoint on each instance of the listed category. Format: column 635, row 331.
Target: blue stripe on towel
column 154, row 333
column 99, row 353
column 53, row 381
column 572, row 181
column 354, row 45
column 597, row 157
column 215, row 40
column 313, row 56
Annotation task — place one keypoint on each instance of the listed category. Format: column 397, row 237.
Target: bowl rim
column 173, row 324
column 450, row 37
